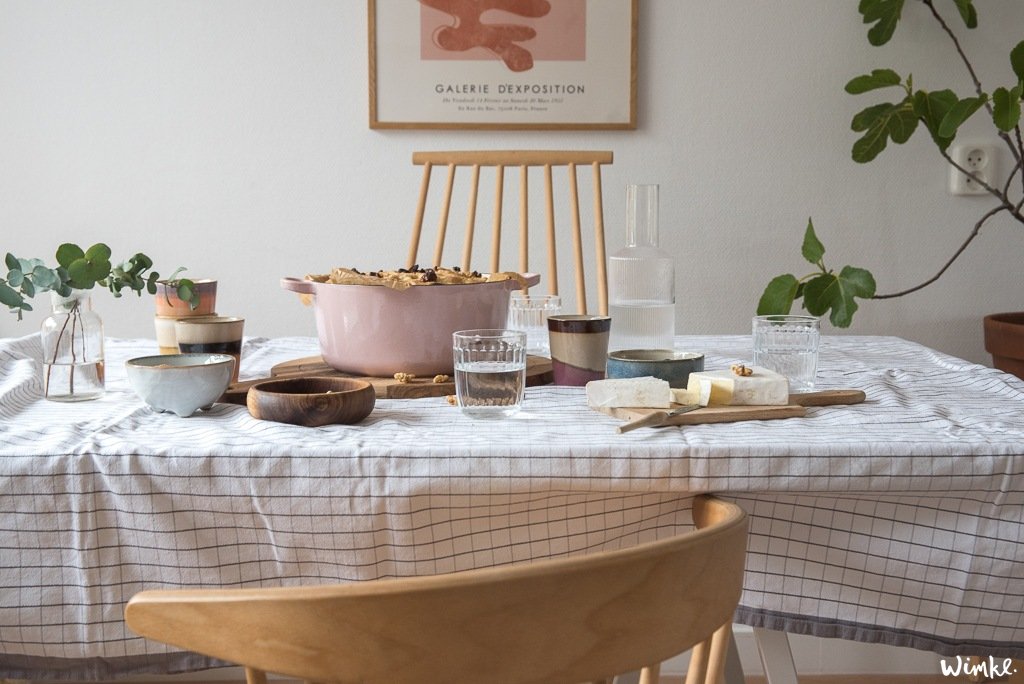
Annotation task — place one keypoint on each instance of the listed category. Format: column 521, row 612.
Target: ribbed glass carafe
column 641, row 279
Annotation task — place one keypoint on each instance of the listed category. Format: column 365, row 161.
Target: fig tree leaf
column 67, row 253
column 958, row 114
column 812, row 249
column 1017, row 60
column 866, row 118
column 874, row 140
column 967, row 12
column 819, row 293
column 858, row 281
column 1006, row 107
column 932, row 108
column 884, row 14
column 778, row 295
column 829, row 291
column 878, row 78
column 902, row 122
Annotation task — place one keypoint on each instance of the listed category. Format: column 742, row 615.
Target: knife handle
column 653, row 419
column 827, row 397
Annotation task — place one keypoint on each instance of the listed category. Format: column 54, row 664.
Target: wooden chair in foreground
column 563, row 620
column 522, row 160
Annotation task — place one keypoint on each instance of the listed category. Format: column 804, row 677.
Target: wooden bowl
column 311, row 401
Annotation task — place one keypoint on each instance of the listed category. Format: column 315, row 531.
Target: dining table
column 898, row 520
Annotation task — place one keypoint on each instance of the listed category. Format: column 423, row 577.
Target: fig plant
column 940, row 113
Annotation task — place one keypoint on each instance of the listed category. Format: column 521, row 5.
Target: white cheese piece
column 645, row 392
column 725, row 388
column 683, row 395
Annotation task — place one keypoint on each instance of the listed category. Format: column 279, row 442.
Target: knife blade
column 655, row 419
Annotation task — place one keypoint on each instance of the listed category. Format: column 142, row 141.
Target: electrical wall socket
column 982, row 160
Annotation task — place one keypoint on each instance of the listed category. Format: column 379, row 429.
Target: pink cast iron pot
column 377, row 331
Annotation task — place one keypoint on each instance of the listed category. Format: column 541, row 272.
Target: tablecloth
column 898, row 520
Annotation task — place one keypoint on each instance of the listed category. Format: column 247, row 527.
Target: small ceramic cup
column 211, row 335
column 168, row 303
column 666, row 364
column 579, row 347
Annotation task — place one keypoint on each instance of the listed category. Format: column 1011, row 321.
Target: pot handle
column 530, row 278
column 297, row 285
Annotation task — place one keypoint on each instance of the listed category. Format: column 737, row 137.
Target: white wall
column 231, row 136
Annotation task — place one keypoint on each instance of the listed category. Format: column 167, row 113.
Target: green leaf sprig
column 822, row 290
column 79, row 269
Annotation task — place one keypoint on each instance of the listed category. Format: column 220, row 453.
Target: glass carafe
column 72, row 340
column 641, row 279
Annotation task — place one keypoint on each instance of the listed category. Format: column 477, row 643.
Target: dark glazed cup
column 579, row 348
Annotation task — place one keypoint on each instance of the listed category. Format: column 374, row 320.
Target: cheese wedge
column 645, row 392
column 725, row 388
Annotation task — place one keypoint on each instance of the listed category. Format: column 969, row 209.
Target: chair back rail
column 571, row 619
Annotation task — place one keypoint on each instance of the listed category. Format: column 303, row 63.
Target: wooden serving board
column 796, row 408
column 538, row 372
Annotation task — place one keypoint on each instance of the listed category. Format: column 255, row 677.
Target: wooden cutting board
column 796, row 408
column 538, row 372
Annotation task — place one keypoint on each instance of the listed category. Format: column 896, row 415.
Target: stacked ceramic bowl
column 171, row 308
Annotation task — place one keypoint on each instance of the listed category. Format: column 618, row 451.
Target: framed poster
column 503, row 64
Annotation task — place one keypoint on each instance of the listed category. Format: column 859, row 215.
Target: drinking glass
column 490, row 371
column 788, row 345
column 529, row 313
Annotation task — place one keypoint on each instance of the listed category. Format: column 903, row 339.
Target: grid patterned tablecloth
column 898, row 520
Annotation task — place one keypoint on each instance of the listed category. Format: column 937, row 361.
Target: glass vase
column 72, row 340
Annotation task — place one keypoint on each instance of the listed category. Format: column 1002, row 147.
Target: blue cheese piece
column 645, row 392
column 725, row 388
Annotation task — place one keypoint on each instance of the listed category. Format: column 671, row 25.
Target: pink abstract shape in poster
column 539, row 29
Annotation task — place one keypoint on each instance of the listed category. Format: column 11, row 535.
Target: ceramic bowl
column 180, row 383
column 311, row 401
column 666, row 364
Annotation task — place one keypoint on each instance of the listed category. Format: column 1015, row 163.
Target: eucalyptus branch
column 970, row 238
column 79, row 269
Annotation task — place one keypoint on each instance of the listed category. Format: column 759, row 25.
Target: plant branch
column 1017, row 154
column 973, row 234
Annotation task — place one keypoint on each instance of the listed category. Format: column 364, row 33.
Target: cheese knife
column 656, row 418
column 806, row 399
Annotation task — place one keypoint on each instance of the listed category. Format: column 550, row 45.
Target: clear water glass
column 490, row 371
column 788, row 345
column 529, row 313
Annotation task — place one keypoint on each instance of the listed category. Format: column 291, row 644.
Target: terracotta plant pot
column 1004, row 340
